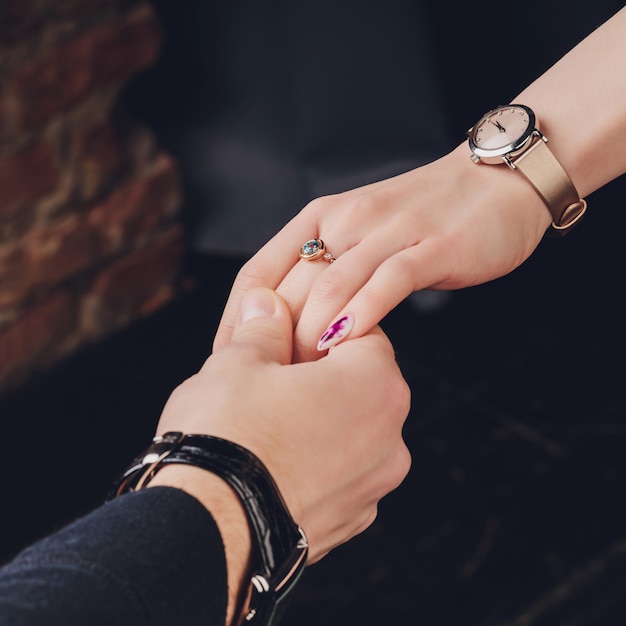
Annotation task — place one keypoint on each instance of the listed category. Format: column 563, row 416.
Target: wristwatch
column 279, row 545
column 510, row 134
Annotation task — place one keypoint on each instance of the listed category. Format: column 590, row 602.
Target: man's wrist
column 278, row 547
column 229, row 515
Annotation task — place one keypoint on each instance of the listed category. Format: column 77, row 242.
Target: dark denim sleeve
column 154, row 557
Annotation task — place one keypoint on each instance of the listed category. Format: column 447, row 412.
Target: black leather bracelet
column 279, row 545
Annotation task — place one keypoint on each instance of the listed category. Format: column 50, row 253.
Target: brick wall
column 89, row 236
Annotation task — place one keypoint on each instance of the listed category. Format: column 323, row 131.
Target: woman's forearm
column 581, row 106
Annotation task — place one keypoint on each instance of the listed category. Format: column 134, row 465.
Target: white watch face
column 502, row 130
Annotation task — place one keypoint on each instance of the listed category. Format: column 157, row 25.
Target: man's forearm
column 155, row 557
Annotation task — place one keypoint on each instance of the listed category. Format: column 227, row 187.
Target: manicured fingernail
column 336, row 332
column 257, row 303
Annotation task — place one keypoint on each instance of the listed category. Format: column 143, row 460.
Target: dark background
column 513, row 512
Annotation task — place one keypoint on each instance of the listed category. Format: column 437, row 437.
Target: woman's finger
column 420, row 267
column 334, row 288
column 267, row 268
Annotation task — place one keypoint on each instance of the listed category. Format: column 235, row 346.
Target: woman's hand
column 449, row 224
column 446, row 225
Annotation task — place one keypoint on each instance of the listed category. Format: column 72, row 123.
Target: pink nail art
column 336, row 332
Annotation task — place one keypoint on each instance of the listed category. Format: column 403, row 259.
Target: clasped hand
column 333, row 450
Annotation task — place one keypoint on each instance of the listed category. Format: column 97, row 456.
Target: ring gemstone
column 311, row 247
column 315, row 249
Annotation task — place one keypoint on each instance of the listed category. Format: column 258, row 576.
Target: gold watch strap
column 547, row 176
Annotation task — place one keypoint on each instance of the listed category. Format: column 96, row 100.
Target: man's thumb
column 265, row 323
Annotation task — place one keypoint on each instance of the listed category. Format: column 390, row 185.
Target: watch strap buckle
column 570, row 217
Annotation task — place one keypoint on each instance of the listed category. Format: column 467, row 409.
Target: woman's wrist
column 499, row 187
